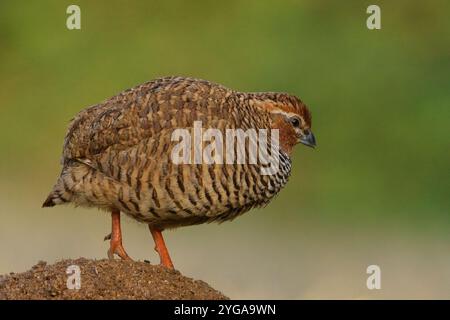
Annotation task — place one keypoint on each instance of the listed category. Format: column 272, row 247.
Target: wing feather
column 142, row 112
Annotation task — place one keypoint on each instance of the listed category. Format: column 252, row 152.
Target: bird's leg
column 116, row 238
column 161, row 248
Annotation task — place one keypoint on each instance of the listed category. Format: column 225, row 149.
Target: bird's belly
column 198, row 193
column 169, row 195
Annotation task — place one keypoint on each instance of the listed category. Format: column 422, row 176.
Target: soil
column 104, row 279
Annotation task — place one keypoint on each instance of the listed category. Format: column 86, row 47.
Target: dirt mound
column 103, row 279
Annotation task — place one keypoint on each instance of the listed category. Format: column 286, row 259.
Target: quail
column 118, row 155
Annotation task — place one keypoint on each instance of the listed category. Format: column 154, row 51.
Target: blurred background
column 375, row 191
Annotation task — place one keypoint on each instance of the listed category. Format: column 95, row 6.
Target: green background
column 375, row 191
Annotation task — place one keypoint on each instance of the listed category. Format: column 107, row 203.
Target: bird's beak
column 308, row 140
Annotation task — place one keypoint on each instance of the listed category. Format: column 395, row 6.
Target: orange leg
column 161, row 248
column 116, row 238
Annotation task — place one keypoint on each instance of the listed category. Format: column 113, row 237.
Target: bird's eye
column 295, row 122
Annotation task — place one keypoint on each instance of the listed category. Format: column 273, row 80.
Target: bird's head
column 290, row 116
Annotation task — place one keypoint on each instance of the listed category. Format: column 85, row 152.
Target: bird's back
column 144, row 111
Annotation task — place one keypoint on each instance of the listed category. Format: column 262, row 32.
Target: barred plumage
column 117, row 154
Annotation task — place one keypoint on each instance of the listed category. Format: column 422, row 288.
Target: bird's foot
column 161, row 248
column 116, row 247
column 115, row 237
column 165, row 260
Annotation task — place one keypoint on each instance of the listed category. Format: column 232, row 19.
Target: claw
column 117, row 248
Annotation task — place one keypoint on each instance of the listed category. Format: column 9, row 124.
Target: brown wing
column 142, row 112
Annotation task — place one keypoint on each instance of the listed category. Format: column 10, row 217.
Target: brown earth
column 104, row 279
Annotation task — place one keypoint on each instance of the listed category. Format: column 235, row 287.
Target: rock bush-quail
column 119, row 155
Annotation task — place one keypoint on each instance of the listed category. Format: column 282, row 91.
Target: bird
column 118, row 156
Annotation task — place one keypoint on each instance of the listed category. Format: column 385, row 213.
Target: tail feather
column 53, row 199
column 58, row 195
column 49, row 201
column 63, row 190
